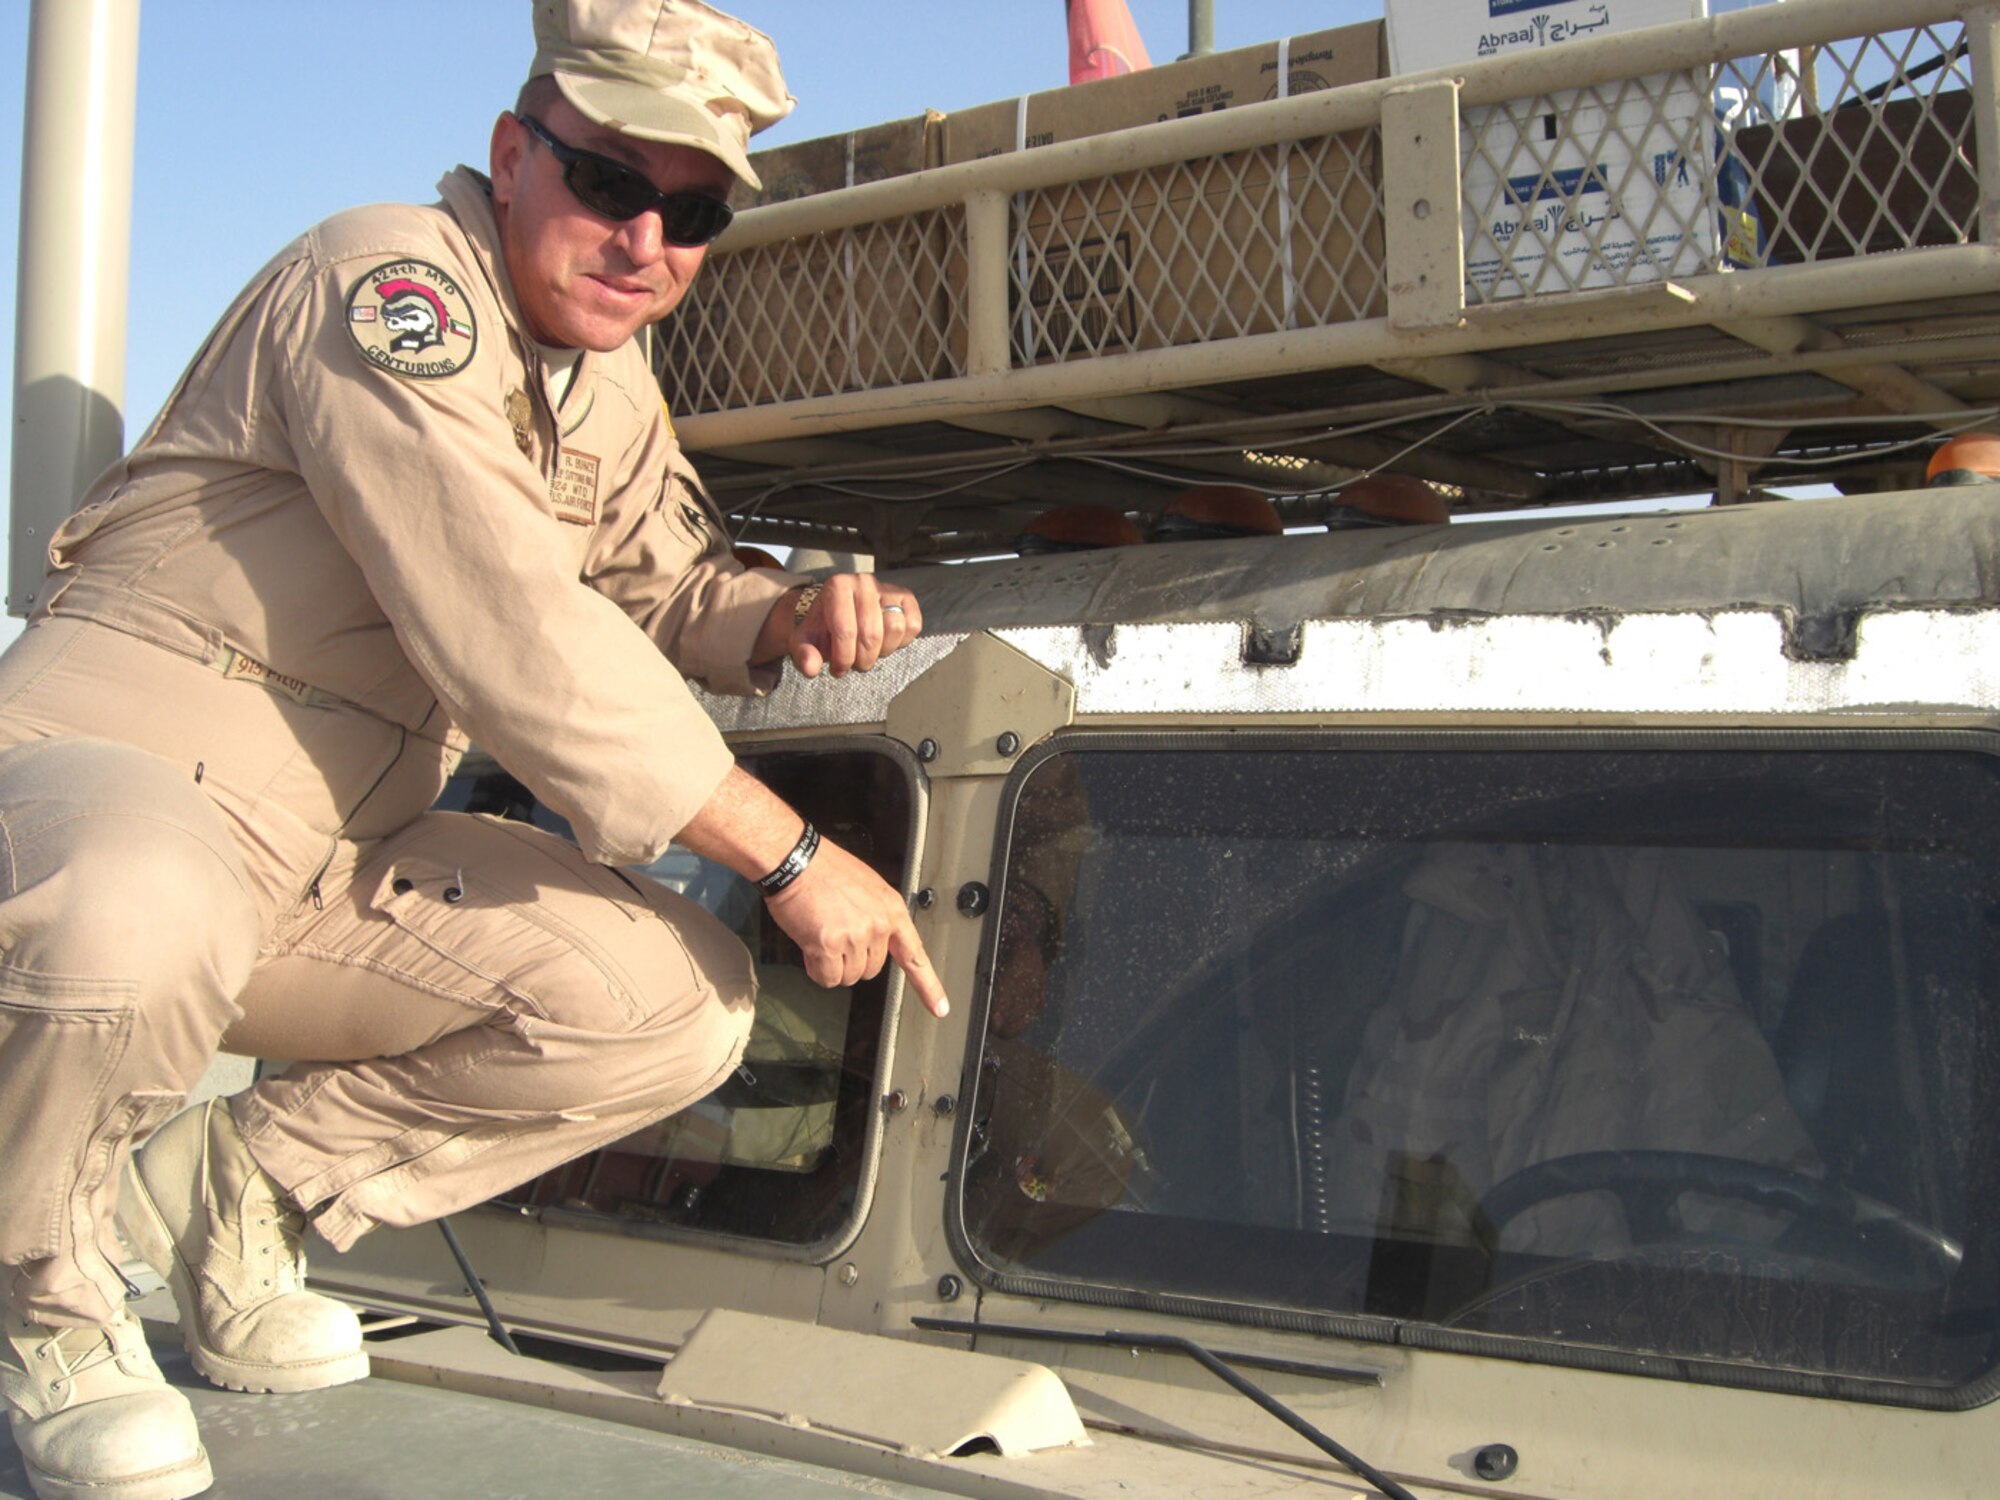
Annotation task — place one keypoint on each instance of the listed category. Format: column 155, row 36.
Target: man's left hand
column 855, row 622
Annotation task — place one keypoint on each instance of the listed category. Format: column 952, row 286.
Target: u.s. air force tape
column 410, row 317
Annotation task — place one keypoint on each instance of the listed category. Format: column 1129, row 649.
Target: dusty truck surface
column 1498, row 1007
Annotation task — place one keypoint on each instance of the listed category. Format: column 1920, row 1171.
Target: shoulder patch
column 410, row 317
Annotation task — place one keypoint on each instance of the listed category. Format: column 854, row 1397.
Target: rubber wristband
column 793, row 865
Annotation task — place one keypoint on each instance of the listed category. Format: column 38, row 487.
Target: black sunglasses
column 618, row 192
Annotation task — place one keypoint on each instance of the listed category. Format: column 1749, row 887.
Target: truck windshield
column 1674, row 1056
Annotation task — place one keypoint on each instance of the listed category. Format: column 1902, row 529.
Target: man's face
column 584, row 281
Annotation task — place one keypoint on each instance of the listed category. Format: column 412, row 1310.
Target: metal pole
column 478, row 1289
column 988, row 277
column 1982, row 35
column 1201, row 27
column 76, row 241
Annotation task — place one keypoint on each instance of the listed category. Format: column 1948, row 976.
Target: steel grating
column 853, row 309
column 1798, row 156
column 1594, row 187
column 1858, row 147
column 1221, row 247
column 1723, row 256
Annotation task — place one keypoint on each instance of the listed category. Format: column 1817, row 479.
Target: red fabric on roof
column 1103, row 41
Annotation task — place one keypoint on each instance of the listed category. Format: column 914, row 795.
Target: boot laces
column 75, row 1351
column 287, row 1252
column 283, row 1255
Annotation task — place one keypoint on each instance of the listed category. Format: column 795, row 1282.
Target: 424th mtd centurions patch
column 408, row 316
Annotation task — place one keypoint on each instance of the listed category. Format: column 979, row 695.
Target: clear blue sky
column 258, row 117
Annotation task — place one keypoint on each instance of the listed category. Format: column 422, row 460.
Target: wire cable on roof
column 1129, row 458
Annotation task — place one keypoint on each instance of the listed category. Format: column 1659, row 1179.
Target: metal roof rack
column 1797, row 282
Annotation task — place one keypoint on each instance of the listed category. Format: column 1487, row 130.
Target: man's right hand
column 844, row 916
column 848, row 921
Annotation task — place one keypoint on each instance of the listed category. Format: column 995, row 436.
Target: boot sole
column 140, row 1217
column 176, row 1483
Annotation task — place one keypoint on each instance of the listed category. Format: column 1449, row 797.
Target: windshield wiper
column 1209, row 1362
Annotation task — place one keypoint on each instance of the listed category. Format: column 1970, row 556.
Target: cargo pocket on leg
column 61, row 1043
column 454, row 946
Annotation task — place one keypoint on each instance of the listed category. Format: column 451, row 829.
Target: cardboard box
column 1196, row 86
column 895, row 148
column 821, row 316
column 1426, row 34
column 1212, row 249
column 1146, row 260
column 1635, row 176
column 1132, row 262
column 871, row 307
column 1862, row 181
column 1618, row 197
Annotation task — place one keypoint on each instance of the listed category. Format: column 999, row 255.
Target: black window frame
column 858, row 1104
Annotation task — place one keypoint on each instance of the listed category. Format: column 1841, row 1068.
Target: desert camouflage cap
column 664, row 70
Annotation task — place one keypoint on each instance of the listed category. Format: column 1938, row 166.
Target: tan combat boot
column 201, row 1211
column 92, row 1416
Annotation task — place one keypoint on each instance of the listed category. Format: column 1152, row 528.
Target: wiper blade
column 1208, row 1361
